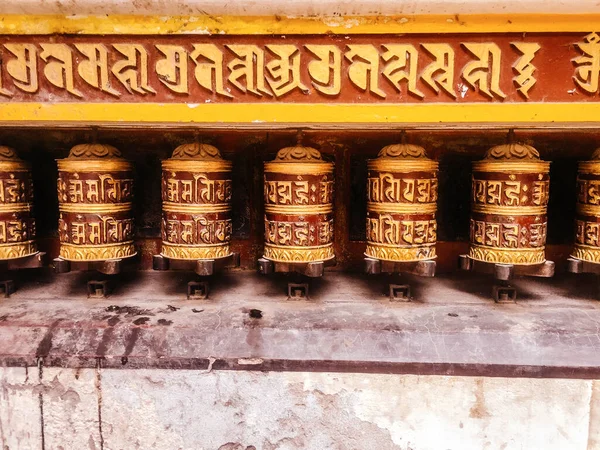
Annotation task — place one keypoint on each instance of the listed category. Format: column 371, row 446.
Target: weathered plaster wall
column 160, row 409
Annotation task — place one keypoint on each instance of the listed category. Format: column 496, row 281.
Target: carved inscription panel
column 396, row 69
column 504, row 189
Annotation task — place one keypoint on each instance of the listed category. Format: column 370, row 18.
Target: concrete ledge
column 451, row 327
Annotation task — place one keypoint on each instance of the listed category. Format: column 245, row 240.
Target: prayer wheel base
column 424, row 268
column 107, row 267
column 505, row 272
column 575, row 265
column 310, row 269
column 32, row 261
column 202, row 267
column 503, row 292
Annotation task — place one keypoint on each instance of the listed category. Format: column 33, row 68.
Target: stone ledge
column 451, row 328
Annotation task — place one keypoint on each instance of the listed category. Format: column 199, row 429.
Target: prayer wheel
column 95, row 193
column 17, row 224
column 510, row 189
column 298, row 188
column 402, row 191
column 587, row 229
column 196, row 195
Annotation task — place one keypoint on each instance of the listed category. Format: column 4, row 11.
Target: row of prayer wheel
column 510, row 191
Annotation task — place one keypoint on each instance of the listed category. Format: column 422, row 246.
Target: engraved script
column 393, row 69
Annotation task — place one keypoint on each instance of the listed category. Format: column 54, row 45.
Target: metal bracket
column 107, row 267
column 579, row 266
column 34, row 261
column 202, row 267
column 505, row 272
column 297, row 291
column 198, row 290
column 400, row 293
column 503, row 293
column 98, row 289
column 7, row 288
column 312, row 269
column 425, row 268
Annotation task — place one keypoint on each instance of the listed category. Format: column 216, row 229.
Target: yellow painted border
column 236, row 25
column 259, row 114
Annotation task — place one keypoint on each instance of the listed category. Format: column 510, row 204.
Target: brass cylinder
column 95, row 193
column 17, row 224
column 196, row 196
column 587, row 224
column 402, row 191
column 298, row 206
column 509, row 201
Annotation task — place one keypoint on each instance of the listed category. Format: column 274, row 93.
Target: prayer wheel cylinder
column 17, row 224
column 298, row 192
column 587, row 224
column 510, row 189
column 95, row 193
column 196, row 195
column 402, row 191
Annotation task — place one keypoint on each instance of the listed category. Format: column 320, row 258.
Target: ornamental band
column 509, row 198
column 587, row 224
column 298, row 206
column 196, row 195
column 17, row 224
column 95, row 191
column 401, row 193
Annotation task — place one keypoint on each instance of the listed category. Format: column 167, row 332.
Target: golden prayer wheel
column 587, row 229
column 298, row 206
column 95, row 191
column 196, row 195
column 510, row 189
column 402, row 191
column 17, row 224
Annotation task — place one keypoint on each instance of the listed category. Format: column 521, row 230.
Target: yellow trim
column 14, row 207
column 196, row 208
column 402, row 208
column 588, row 210
column 266, row 114
column 299, row 209
column 237, row 25
column 402, row 165
column 73, row 165
column 299, row 167
column 15, row 166
column 194, row 165
column 511, row 210
column 93, row 208
column 509, row 167
column 589, row 168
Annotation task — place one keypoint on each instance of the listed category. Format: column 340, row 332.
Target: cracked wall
column 62, row 409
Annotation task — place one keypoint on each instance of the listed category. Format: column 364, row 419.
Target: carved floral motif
column 512, row 151
column 298, row 153
column 196, row 150
column 7, row 153
column 402, row 151
column 94, row 151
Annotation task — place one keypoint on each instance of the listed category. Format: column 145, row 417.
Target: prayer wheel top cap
column 298, row 153
column 403, row 151
column 596, row 155
column 197, row 151
column 8, row 153
column 94, row 151
column 512, row 152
